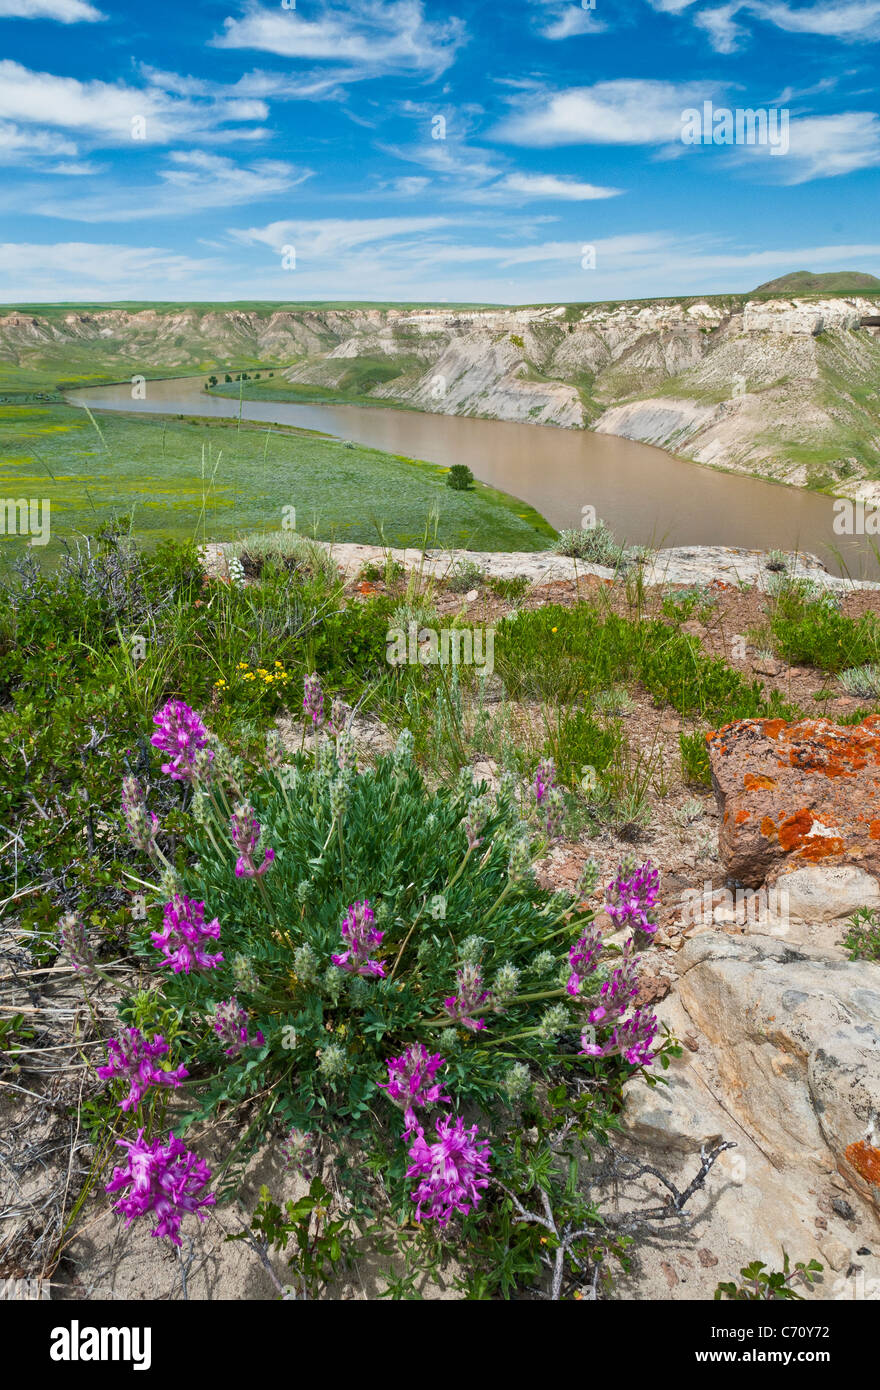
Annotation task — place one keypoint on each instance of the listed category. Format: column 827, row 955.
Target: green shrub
column 808, row 629
column 578, row 742
column 512, row 588
column 563, row 654
column 594, row 544
column 695, row 764
column 862, row 938
column 464, row 575
column 460, row 478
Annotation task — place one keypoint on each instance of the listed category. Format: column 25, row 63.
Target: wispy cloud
column 372, row 36
column 329, row 238
column 64, row 11
column 565, row 19
column 83, row 270
column 728, row 28
column 553, row 186
column 822, row 147
column 190, row 176
column 621, row 112
column 103, row 112
column 21, row 146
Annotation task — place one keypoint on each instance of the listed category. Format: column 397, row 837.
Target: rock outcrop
column 798, row 794
column 783, row 1059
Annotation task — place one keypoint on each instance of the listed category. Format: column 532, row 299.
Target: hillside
column 787, row 387
column 805, row 282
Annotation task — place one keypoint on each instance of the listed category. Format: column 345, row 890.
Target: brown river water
column 646, row 496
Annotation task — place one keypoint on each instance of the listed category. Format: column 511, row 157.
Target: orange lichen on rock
column 757, row 784
column 865, row 1160
column 808, row 791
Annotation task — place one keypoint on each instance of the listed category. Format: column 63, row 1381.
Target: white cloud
column 565, row 19
column 104, row 111
column 190, row 177
column 65, row 11
column 22, row 146
column 670, row 6
column 74, row 169
column 553, row 186
column 83, row 270
column 332, row 237
column 620, row 112
column 373, row 35
column 848, row 21
column 822, row 147
column 724, row 33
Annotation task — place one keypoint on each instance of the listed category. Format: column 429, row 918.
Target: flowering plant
column 399, row 956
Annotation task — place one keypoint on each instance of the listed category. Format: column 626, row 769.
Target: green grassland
column 180, row 478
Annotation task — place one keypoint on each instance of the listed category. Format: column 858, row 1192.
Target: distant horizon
column 293, row 305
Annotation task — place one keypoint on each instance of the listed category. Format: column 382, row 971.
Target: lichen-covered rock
column 796, row 794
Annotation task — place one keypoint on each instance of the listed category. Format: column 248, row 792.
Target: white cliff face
column 786, row 387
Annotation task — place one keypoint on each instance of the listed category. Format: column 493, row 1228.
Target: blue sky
column 411, row 150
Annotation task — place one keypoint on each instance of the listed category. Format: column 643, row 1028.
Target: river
column 646, row 496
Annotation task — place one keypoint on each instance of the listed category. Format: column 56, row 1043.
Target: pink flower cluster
column 185, row 934
column 631, row 897
column 471, row 999
column 583, row 958
column 231, row 1026
column 181, row 734
column 166, row 1180
column 245, row 831
column 452, row 1171
column 360, row 938
column 133, row 1056
column 411, row 1081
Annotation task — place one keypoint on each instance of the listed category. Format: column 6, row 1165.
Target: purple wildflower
column 72, row 939
column 165, row 1179
column 632, row 1039
column 545, row 780
column 554, row 813
column 452, row 1171
column 411, row 1080
column 313, row 699
column 184, row 935
column 616, row 993
column 131, row 1055
column 245, row 831
column 298, row 1152
column 471, row 999
column 141, row 825
column 182, row 735
column 631, row 897
column 360, row 938
column 231, row 1025
column 584, row 959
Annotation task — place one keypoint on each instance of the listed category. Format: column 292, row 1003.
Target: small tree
column 460, row 477
column 227, row 377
